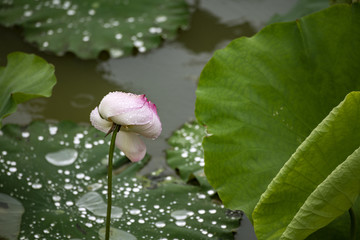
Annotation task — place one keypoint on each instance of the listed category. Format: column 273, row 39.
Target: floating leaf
column 319, row 183
column 89, row 27
column 260, row 97
column 67, row 201
column 26, row 76
column 186, row 154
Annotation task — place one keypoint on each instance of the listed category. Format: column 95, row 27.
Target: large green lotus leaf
column 58, row 174
column 301, row 8
column 186, row 154
column 26, row 76
column 260, row 97
column 320, row 181
column 88, row 27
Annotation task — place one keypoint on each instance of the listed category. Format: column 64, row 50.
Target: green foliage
column 260, row 97
column 319, row 182
column 25, row 77
column 88, row 27
column 58, row 173
column 186, row 153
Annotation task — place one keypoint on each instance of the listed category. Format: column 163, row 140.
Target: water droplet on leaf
column 63, row 157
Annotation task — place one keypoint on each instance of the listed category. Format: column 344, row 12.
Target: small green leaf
column 320, row 181
column 186, row 154
column 26, row 76
column 86, row 28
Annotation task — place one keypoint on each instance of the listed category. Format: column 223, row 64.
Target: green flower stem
column 109, row 190
column 353, row 224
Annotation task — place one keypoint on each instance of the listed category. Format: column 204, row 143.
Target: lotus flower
column 136, row 115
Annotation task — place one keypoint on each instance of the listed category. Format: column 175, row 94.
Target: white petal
column 115, row 103
column 139, row 116
column 131, row 144
column 98, row 122
column 150, row 130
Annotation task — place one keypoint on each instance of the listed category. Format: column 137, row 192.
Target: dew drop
column 201, row 211
column 161, row 19
column 134, row 211
column 201, row 196
column 212, row 211
column 66, row 5
column 211, row 192
column 115, row 53
column 155, row 30
column 92, row 12
column 88, row 145
column 118, row 36
column 138, row 43
column 160, row 224
column 56, row 198
column 142, row 50
column 181, row 214
column 25, row 134
column 52, row 129
column 63, row 157
column 80, row 175
column 89, row 225
column 28, row 13
column 180, row 223
column 71, row 12
column 68, row 186
column 36, row 185
column 86, row 38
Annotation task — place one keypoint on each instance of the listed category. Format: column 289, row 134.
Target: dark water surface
column 167, row 75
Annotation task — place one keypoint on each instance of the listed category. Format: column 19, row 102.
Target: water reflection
column 210, row 33
column 82, row 100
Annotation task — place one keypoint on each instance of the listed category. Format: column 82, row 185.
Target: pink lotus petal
column 150, row 130
column 139, row 116
column 115, row 103
column 99, row 123
column 131, row 144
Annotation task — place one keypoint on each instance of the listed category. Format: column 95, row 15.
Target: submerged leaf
column 26, row 76
column 88, row 27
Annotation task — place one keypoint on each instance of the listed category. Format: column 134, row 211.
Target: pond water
column 167, row 75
